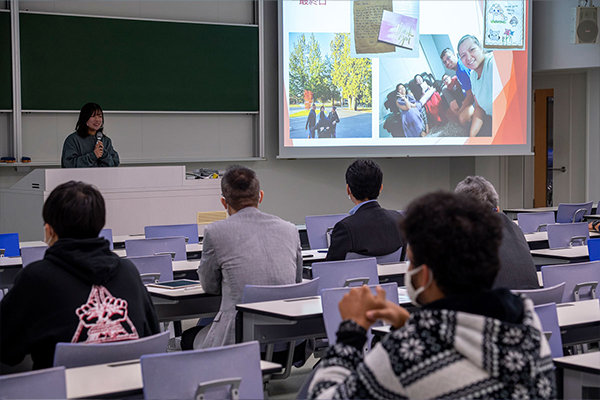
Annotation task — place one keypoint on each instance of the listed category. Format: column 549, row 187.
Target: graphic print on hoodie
column 103, row 318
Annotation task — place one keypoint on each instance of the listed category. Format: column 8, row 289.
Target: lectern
column 134, row 196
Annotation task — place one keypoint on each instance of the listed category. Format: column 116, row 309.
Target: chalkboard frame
column 141, row 72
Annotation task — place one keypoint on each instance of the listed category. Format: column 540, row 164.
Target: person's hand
column 357, row 302
column 98, row 149
column 390, row 312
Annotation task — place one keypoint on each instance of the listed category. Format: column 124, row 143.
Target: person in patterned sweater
column 465, row 341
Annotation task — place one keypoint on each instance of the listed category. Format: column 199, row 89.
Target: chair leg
column 288, row 364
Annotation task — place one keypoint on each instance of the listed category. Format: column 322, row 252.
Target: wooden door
column 542, row 99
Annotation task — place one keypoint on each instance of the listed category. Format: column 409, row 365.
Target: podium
column 134, row 197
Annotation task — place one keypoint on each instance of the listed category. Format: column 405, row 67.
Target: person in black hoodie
column 81, row 292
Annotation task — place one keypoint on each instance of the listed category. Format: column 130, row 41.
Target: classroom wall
column 553, row 34
column 295, row 188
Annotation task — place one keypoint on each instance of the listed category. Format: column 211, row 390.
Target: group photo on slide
column 329, row 91
column 389, row 73
column 432, row 95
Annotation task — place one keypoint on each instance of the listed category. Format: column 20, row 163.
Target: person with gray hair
column 517, row 269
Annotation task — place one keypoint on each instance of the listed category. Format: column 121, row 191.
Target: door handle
column 561, row 169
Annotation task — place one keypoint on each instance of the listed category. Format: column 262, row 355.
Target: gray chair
column 71, row 355
column 393, row 257
column 219, row 372
column 257, row 293
column 535, row 222
column 43, row 384
column 319, row 227
column 549, row 320
column 154, row 268
column 189, row 231
column 551, row 294
column 580, row 279
column 337, row 274
column 330, row 299
column 573, row 212
column 151, row 247
column 108, row 235
column 31, row 254
column 567, row 235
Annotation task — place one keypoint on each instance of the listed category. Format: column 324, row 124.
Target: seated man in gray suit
column 249, row 247
column 517, row 269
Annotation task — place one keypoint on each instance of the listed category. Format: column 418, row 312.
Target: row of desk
column 119, row 379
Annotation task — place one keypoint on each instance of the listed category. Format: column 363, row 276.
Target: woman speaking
column 87, row 147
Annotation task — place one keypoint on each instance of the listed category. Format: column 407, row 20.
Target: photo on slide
column 330, row 92
column 431, row 95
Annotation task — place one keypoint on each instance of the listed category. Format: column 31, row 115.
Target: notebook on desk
column 176, row 284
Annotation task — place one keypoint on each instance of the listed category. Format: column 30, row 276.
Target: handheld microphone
column 99, row 136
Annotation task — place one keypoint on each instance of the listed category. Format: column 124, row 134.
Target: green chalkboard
column 137, row 65
column 5, row 62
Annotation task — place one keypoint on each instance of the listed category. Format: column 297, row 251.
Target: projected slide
column 396, row 74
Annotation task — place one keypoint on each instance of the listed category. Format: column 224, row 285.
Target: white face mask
column 413, row 293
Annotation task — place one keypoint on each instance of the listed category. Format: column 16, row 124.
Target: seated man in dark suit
column 369, row 230
column 517, row 269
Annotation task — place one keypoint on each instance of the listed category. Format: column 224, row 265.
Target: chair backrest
column 549, row 320
column 256, row 293
column 72, row 355
column 107, row 234
column 550, row 294
column 573, row 212
column 594, row 249
column 390, row 258
column 337, row 274
column 43, row 384
column 152, row 247
column 179, row 375
column 317, row 227
column 31, row 254
column 535, row 222
column 572, row 275
column 157, row 268
column 189, row 231
column 10, row 243
column 330, row 298
column 566, row 235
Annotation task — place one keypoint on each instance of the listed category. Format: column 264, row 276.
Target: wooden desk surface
column 297, row 309
column 292, row 309
column 399, row 268
column 530, row 210
column 314, row 255
column 578, row 313
column 10, row 262
column 566, row 253
column 586, row 362
column 120, row 377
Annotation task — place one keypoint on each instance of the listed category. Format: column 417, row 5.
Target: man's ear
column 261, row 196
column 426, row 276
column 224, row 202
column 380, row 188
column 348, row 191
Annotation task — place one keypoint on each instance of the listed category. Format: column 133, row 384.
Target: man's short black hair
column 240, row 187
column 457, row 237
column 364, row 178
column 446, row 51
column 75, row 210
